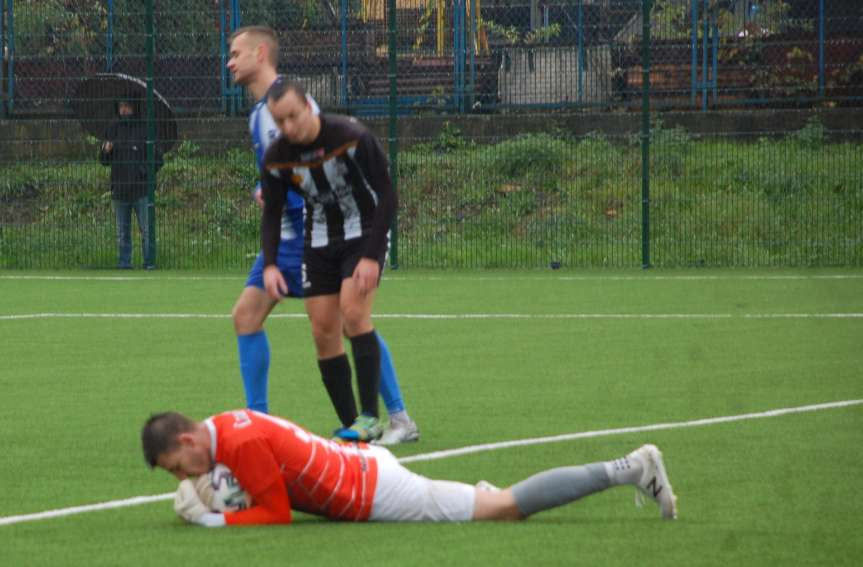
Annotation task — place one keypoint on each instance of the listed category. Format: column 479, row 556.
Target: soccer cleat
column 654, row 482
column 365, row 428
column 399, row 432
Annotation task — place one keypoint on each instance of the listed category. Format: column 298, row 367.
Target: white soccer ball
column 221, row 492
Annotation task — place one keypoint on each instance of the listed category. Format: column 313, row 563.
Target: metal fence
column 458, row 56
column 523, row 133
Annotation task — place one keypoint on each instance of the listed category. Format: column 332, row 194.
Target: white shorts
column 403, row 496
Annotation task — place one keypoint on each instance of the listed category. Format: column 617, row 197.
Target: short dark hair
column 282, row 86
column 265, row 34
column 159, row 434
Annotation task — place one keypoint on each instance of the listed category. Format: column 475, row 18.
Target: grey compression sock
column 556, row 487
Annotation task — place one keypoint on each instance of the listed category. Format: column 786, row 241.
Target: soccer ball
column 221, row 492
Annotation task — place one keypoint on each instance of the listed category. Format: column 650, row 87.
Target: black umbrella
column 96, row 99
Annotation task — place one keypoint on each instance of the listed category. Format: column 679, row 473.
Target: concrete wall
column 550, row 75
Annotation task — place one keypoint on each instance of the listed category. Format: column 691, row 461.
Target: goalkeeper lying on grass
column 282, row 466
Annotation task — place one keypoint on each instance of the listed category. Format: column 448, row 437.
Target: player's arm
column 374, row 163
column 259, row 473
column 270, row 507
column 271, row 504
column 258, row 194
column 376, row 168
column 259, row 144
column 273, row 192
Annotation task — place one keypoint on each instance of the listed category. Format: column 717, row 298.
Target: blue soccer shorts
column 290, row 262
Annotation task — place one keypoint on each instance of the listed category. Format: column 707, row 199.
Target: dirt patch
column 19, row 205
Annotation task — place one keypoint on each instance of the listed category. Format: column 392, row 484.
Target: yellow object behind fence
column 375, row 10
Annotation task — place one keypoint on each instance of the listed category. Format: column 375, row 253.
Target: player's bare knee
column 251, row 310
column 328, row 341
column 500, row 506
column 237, row 316
column 326, row 329
column 357, row 321
column 246, row 320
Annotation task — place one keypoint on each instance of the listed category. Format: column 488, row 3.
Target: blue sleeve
column 260, row 139
column 264, row 130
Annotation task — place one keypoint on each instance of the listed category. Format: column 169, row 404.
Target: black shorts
column 325, row 268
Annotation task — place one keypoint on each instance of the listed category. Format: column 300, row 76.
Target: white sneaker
column 654, row 482
column 487, row 486
column 399, row 432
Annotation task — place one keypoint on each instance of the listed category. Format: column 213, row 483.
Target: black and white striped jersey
column 344, row 178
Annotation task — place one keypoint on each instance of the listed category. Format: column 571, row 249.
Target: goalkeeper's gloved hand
column 204, row 490
column 188, row 505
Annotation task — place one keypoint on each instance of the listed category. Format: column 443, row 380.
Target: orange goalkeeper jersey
column 283, row 466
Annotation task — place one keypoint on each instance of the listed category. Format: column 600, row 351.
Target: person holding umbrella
column 125, row 150
column 127, row 115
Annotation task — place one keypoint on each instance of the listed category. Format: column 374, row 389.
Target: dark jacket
column 128, row 158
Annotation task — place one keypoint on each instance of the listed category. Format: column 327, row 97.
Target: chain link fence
column 530, row 133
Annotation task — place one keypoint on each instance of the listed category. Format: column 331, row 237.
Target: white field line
column 645, row 277
column 122, row 278
column 624, row 430
column 397, row 278
column 448, row 316
column 8, row 520
column 48, row 514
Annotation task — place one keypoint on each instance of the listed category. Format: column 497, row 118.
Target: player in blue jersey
column 253, row 57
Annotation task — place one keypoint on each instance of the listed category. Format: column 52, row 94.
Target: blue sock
column 255, row 366
column 390, row 390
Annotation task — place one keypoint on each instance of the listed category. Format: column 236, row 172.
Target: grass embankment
column 525, row 201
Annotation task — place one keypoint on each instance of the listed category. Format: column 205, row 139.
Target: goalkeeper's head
column 177, row 444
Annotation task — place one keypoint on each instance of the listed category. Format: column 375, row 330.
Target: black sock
column 367, row 361
column 336, row 374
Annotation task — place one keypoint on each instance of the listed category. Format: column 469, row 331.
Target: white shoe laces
column 639, row 498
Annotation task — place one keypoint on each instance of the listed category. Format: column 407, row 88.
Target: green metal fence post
column 151, row 136
column 694, row 47
column 704, row 38
column 393, row 139
column 10, row 58
column 820, row 48
column 581, row 58
column 237, row 100
column 472, row 47
column 224, row 80
column 109, row 39
column 645, row 134
column 2, row 57
column 343, row 55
